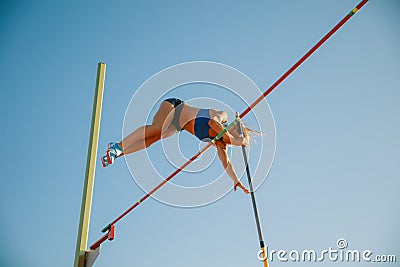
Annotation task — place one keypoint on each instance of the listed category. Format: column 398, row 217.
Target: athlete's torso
column 196, row 121
column 202, row 126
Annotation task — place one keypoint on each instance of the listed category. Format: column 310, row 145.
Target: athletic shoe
column 104, row 161
column 113, row 152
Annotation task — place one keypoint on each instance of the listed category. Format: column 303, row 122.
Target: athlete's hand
column 239, row 184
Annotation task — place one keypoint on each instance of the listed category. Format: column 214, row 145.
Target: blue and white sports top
column 201, row 126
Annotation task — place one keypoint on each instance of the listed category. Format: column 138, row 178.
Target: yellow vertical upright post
column 90, row 168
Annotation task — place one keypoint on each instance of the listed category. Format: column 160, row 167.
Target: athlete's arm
column 216, row 124
column 228, row 166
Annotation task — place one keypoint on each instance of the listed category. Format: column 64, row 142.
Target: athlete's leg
column 162, row 120
column 148, row 141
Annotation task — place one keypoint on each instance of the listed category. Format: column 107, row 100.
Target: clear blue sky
column 336, row 170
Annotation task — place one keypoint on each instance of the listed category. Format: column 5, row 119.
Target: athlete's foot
column 113, row 151
column 241, row 186
column 104, row 161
